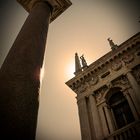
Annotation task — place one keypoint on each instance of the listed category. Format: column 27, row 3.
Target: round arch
column 119, row 105
column 112, row 91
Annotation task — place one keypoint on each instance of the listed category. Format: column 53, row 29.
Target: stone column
column 134, row 85
column 113, row 119
column 104, row 121
column 96, row 118
column 133, row 109
column 20, row 72
column 109, row 118
column 84, row 120
column 134, row 100
column 20, row 77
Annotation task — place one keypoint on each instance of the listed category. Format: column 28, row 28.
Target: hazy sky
column 83, row 28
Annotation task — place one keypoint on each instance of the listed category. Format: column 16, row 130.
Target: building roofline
column 108, row 56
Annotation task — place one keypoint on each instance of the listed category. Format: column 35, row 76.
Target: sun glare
column 70, row 70
column 42, row 74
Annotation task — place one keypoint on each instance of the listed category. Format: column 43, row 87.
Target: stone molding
column 128, row 58
column 116, row 65
column 125, row 57
column 59, row 6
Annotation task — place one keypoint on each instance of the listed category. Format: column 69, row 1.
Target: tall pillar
column 20, row 73
column 104, row 119
column 109, row 118
column 134, row 85
column 96, row 118
column 84, row 120
column 133, row 109
column 134, row 100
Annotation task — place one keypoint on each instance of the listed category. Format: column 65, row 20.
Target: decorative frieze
column 107, row 65
column 82, row 88
column 116, row 65
column 100, row 92
column 128, row 58
column 121, row 81
column 93, row 81
column 84, row 83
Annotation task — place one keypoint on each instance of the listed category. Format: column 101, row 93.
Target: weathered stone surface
column 20, row 77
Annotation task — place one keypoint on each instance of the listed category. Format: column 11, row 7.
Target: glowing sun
column 70, row 69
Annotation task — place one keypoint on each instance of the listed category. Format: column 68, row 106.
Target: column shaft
column 84, row 120
column 103, row 120
column 19, row 77
column 134, row 100
column 109, row 119
column 134, row 112
column 96, row 118
column 134, row 85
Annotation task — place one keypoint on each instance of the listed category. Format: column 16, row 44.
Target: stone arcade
column 20, row 72
column 108, row 93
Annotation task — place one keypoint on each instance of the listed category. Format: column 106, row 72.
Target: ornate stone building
column 108, row 93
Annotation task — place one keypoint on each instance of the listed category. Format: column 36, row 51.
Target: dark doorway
column 121, row 109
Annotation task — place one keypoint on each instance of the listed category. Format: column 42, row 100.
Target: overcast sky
column 83, row 28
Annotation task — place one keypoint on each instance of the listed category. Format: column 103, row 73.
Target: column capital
column 58, row 6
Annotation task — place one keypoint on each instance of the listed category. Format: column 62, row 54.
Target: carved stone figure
column 128, row 58
column 111, row 43
column 84, row 63
column 116, row 65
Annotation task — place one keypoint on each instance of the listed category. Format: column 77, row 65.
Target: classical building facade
column 108, row 93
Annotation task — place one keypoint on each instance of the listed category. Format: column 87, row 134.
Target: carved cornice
column 83, row 84
column 121, row 81
column 59, row 6
column 128, row 58
column 116, row 65
column 112, row 61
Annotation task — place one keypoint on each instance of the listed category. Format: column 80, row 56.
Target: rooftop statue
column 84, row 63
column 111, row 43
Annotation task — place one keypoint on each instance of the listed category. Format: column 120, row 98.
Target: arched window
column 120, row 109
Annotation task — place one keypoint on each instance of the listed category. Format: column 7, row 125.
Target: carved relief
column 82, row 88
column 84, row 83
column 128, row 58
column 87, row 78
column 116, row 65
column 103, row 69
column 93, row 81
column 100, row 92
column 121, row 81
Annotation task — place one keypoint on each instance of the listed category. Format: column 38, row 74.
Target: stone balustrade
column 129, row 132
